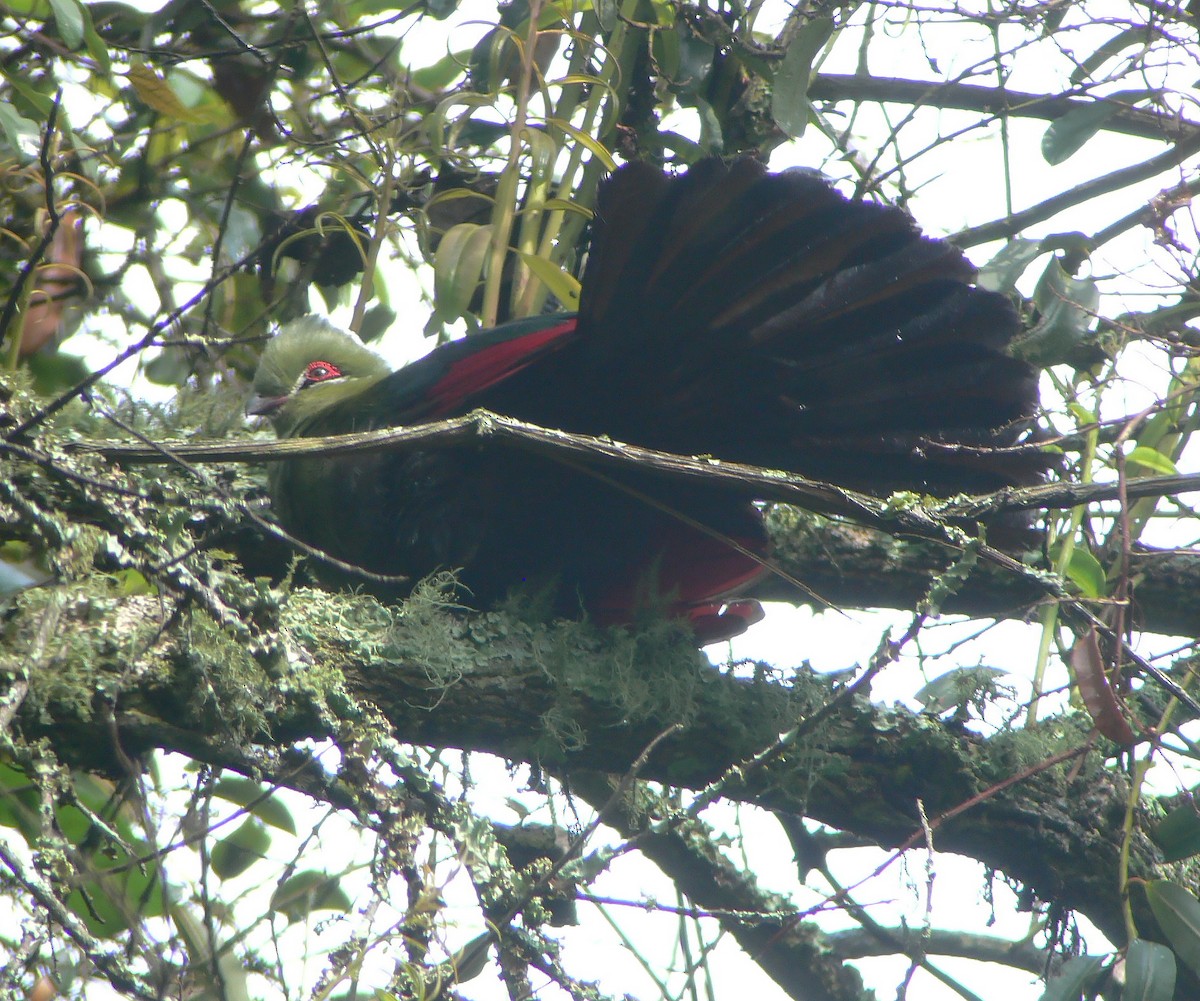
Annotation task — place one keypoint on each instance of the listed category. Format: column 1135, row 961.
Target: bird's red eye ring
column 319, row 371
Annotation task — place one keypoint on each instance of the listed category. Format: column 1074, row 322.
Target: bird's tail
column 766, row 318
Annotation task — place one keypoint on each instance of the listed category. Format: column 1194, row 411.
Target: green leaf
column 42, row 103
column 664, row 46
column 1067, row 308
column 157, row 94
column 564, row 287
column 544, row 150
column 55, row 371
column 457, row 194
column 1178, row 833
column 562, row 205
column 38, row 9
column 1066, row 301
column 1054, row 18
column 1086, row 573
column 458, row 267
column 68, row 19
column 131, row 583
column 695, row 63
column 99, row 912
column 258, row 800
column 1149, row 972
column 472, row 959
column 495, row 60
column 1178, row 915
column 96, row 46
column 15, row 550
column 20, row 802
column 1151, row 459
column 606, row 13
column 96, row 794
column 172, row 366
column 233, row 855
column 309, row 891
column 441, row 74
column 20, row 133
column 1000, row 274
column 1083, row 416
column 1068, row 134
column 712, row 136
column 376, row 322
column 233, row 973
column 124, row 888
column 789, row 94
column 1077, row 975
column 590, row 143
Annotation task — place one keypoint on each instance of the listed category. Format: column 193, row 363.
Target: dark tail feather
column 765, row 318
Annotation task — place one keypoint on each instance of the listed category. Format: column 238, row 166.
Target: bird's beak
column 260, row 406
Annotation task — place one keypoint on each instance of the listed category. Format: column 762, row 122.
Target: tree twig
column 1113, row 181
column 943, row 94
column 769, row 484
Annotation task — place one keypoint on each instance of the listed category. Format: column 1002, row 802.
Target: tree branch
column 863, row 769
column 941, row 94
column 851, row 566
column 1106, row 183
column 791, row 951
column 768, row 484
column 858, row 942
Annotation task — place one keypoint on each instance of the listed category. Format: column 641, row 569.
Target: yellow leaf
column 563, row 286
column 156, row 93
column 593, row 145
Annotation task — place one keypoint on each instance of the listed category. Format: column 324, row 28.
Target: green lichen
column 651, row 672
column 223, row 682
column 1016, row 750
column 75, row 642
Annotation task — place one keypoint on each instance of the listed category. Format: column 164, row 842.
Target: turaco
column 752, row 316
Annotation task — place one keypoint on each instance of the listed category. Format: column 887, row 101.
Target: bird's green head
column 309, row 366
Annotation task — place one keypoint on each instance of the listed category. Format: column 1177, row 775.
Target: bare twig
column 768, row 484
column 1113, row 181
column 995, row 100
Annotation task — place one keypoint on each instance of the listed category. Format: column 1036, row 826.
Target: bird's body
column 756, row 317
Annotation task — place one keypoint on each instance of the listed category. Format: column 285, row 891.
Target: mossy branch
column 769, row 484
column 935, row 522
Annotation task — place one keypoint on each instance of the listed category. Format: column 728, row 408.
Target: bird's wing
column 456, row 376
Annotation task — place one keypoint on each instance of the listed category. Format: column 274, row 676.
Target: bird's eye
column 319, row 371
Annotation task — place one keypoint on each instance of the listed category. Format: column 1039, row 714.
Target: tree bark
column 570, row 697
column 851, row 566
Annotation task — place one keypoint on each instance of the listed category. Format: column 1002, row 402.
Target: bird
column 728, row 311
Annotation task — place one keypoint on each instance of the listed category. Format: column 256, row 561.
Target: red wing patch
column 701, row 569
column 488, row 366
column 696, row 573
column 718, row 623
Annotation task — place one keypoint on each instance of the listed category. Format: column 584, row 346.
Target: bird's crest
column 308, row 353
